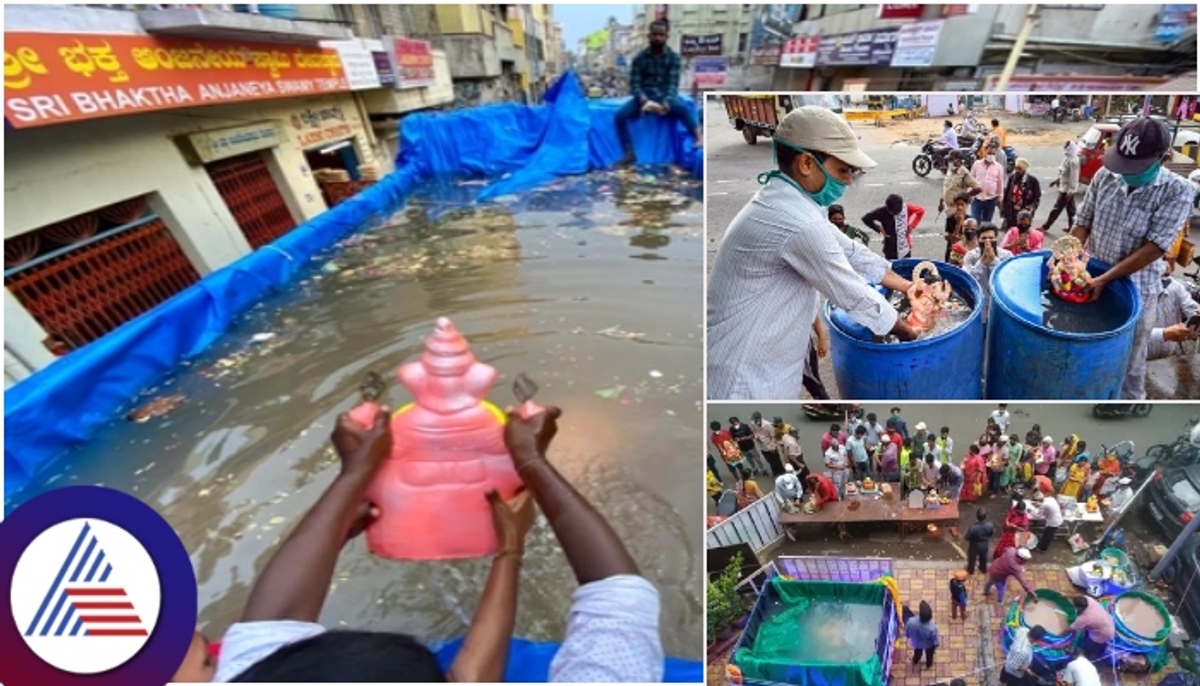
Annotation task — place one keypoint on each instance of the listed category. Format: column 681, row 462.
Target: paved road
column 966, row 422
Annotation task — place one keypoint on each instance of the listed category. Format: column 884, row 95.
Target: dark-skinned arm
column 294, row 584
column 484, row 653
column 593, row 549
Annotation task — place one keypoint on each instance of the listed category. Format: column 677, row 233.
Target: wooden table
column 869, row 510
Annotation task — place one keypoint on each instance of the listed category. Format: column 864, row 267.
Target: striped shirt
column 1120, row 222
column 777, row 257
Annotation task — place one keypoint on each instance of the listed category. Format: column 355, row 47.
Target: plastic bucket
column 1027, row 360
column 948, row 366
column 1118, row 557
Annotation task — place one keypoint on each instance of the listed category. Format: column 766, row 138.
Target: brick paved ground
column 959, row 655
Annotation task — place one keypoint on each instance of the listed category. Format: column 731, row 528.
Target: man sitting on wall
column 654, row 85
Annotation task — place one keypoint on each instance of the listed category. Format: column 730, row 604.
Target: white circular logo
column 85, row 596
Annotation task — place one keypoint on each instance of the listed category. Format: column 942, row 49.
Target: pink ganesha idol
column 448, row 453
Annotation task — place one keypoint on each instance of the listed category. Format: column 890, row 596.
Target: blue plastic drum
column 1030, row 355
column 948, row 366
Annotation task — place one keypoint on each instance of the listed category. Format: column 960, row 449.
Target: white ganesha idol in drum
column 928, row 295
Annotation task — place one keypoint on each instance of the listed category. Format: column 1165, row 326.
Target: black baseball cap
column 1137, row 146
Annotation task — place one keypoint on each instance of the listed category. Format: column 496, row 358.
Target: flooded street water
column 592, row 285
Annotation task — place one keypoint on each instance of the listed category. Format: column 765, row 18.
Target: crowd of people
column 791, row 246
column 1033, row 470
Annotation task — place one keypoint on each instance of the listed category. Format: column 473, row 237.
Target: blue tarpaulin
column 529, row 662
column 66, row 403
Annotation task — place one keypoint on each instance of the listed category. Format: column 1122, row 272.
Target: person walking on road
column 780, row 254
column 1130, row 217
column 1067, row 184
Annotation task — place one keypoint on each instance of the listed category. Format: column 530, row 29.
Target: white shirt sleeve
column 840, row 271
column 248, row 643
column 612, row 634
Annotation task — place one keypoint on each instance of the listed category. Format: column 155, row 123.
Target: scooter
column 1120, row 410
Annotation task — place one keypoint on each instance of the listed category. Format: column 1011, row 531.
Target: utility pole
column 1014, row 57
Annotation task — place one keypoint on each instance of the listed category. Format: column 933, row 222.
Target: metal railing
column 757, row 525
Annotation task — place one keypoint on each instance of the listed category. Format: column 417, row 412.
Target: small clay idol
column 1069, row 278
column 927, row 296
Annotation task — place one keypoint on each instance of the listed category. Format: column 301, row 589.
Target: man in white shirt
column 1051, row 512
column 1081, row 672
column 1002, row 418
column 837, row 466
column 787, row 487
column 1123, row 495
column 792, row 452
column 1174, row 308
column 780, row 255
column 982, row 261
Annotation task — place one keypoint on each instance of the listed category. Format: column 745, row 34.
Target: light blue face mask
column 1139, row 180
column 830, row 193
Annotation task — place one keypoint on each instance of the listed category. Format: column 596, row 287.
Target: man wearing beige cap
column 780, row 254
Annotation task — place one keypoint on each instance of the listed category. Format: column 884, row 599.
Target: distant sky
column 579, row 20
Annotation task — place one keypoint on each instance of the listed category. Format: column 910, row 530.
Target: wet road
column 591, row 285
column 966, row 422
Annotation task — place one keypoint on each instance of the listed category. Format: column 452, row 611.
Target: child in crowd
column 969, row 241
column 922, row 635
column 958, row 595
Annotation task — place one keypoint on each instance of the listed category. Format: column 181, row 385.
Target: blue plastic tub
column 948, row 366
column 1028, row 360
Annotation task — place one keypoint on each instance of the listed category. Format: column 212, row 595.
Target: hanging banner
column 59, row 77
column 916, row 44
column 414, row 63
column 710, row 72
column 863, row 49
column 383, row 67
column 800, row 52
column 772, row 26
column 357, row 62
column 692, row 46
column 901, row 11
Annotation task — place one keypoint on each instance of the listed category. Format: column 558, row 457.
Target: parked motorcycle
column 1184, row 452
column 827, row 411
column 1120, row 410
column 932, row 157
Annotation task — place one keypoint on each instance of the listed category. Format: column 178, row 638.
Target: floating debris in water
column 159, row 407
column 145, row 469
column 611, row 393
column 619, row 333
column 655, row 374
column 262, row 337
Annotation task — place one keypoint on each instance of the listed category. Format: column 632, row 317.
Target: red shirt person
column 823, row 487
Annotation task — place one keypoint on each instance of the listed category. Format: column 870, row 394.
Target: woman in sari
column 974, row 475
column 1110, row 468
column 1016, row 521
column 1078, row 473
column 748, row 491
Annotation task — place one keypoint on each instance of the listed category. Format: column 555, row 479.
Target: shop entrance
column 246, row 186
column 339, row 156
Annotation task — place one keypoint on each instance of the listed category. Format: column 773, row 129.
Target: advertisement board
column 861, row 49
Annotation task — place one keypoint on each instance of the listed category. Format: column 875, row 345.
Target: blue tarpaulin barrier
column 529, row 662
column 66, row 403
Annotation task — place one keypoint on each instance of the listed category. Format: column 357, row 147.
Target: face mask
column 1139, row 180
column 830, row 193
column 991, row 158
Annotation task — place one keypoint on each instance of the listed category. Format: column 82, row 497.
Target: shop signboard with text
column 1076, row 84
column 901, row 11
column 800, row 52
column 51, row 78
column 862, row 49
column 916, row 44
column 315, row 126
column 772, row 26
column 710, row 72
column 358, row 64
column 695, row 46
column 385, row 69
column 414, row 62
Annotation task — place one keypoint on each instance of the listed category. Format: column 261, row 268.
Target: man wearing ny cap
column 780, row 254
column 1132, row 212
